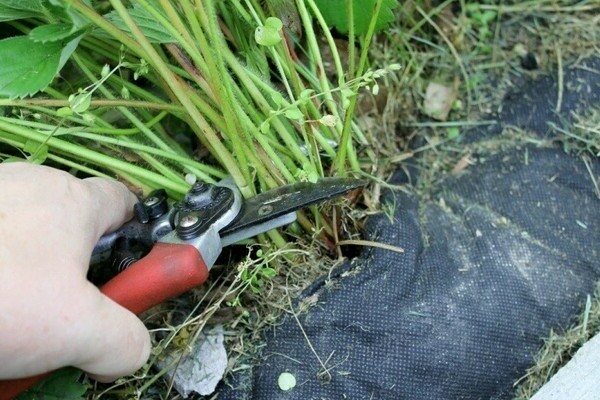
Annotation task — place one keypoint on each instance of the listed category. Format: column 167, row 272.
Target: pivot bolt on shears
column 169, row 247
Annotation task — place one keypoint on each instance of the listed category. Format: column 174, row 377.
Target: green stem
column 317, row 60
column 178, row 89
column 222, row 83
column 77, row 166
column 261, row 139
column 351, row 40
column 264, row 106
column 20, row 144
column 124, row 110
column 180, row 33
column 332, row 46
column 94, row 157
column 94, row 104
column 345, row 142
column 163, row 169
column 206, row 170
column 168, row 146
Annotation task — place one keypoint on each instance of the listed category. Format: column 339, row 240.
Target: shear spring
column 124, row 263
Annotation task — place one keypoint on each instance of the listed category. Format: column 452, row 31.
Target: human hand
column 50, row 315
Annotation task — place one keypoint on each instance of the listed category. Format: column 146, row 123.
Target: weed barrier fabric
column 493, row 260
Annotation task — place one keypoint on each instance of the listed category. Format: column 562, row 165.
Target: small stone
column 438, row 101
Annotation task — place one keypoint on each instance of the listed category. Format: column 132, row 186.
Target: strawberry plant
column 224, row 77
column 159, row 94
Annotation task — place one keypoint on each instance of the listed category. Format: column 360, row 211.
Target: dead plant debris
column 559, row 348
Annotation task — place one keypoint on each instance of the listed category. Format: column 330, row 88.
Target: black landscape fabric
column 493, row 259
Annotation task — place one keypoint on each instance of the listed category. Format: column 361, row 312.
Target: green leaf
column 62, row 384
column 63, row 10
column 255, row 289
column 64, row 112
column 453, row 132
column 375, row 89
column 80, row 103
column 335, row 13
column 293, row 113
column 309, row 174
column 11, row 159
column 51, row 32
column 487, row 17
column 268, row 272
column 91, row 118
column 265, row 127
column 245, row 275
column 278, row 99
column 313, row 176
column 274, row 23
column 18, row 9
column 267, row 36
column 38, row 151
column 25, row 76
column 306, row 93
column 149, row 26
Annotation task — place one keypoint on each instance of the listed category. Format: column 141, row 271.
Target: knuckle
column 70, row 190
column 111, row 191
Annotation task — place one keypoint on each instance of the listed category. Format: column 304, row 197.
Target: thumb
column 115, row 343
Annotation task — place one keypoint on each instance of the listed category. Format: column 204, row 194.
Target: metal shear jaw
column 207, row 239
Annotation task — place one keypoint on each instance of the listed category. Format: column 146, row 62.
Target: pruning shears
column 169, row 247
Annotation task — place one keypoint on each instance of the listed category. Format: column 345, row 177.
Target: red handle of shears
column 167, row 271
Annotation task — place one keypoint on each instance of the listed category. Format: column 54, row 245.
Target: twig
column 370, row 243
column 308, row 340
column 586, row 315
column 284, row 356
column 335, row 232
column 447, row 124
column 560, row 78
column 496, row 45
column 526, row 6
column 586, row 162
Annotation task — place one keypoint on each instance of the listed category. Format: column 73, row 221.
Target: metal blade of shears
column 278, row 207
